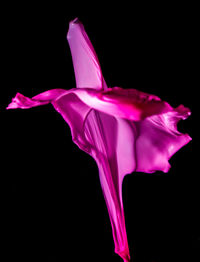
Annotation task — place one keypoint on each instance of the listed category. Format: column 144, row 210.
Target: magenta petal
column 86, row 65
column 113, row 156
column 123, row 130
column 23, row 102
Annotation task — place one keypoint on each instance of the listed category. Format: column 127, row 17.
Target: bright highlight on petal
column 124, row 130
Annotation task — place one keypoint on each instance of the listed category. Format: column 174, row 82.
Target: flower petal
column 86, row 65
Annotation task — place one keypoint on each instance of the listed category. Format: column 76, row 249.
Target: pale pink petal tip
column 16, row 102
column 75, row 21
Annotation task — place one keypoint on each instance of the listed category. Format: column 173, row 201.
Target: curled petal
column 86, row 64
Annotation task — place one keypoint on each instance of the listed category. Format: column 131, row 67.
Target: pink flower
column 124, row 130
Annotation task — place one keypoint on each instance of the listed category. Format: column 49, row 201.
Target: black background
column 52, row 205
